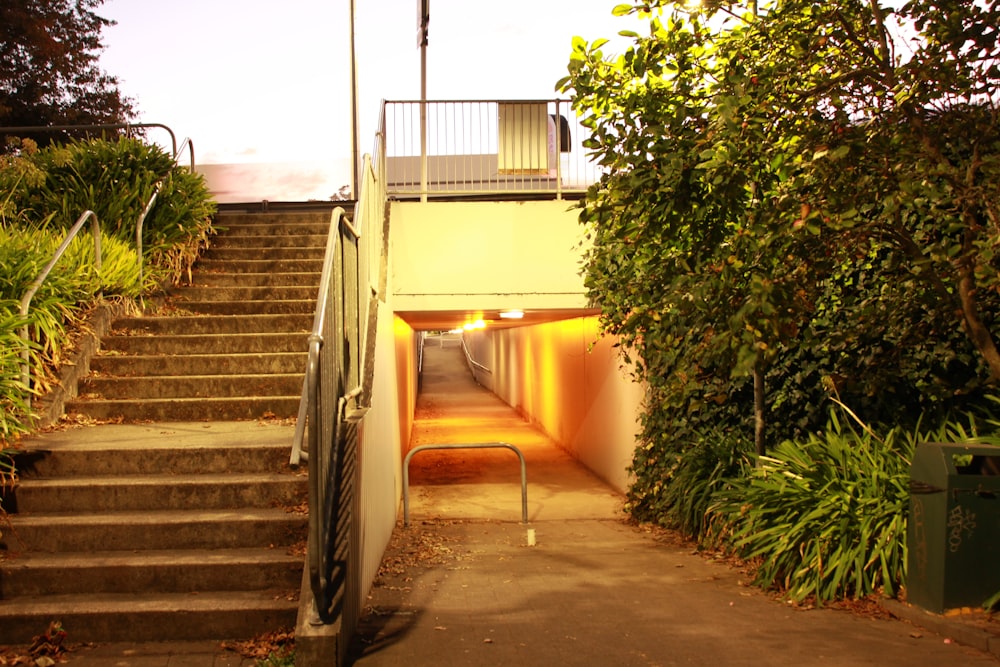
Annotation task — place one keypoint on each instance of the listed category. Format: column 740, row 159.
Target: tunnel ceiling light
column 512, row 314
column 478, row 324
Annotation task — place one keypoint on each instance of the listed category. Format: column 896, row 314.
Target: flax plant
column 42, row 193
column 12, row 389
column 8, row 478
column 824, row 518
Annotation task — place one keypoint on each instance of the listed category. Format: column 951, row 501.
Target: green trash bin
column 953, row 531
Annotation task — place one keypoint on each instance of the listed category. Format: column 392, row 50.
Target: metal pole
column 355, row 157
column 425, row 13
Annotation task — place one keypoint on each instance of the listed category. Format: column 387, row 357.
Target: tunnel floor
column 486, row 483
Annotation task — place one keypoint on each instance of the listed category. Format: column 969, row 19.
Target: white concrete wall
column 486, row 255
column 385, row 435
column 380, row 485
column 569, row 381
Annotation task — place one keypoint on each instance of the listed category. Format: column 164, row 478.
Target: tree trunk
column 975, row 329
column 758, row 406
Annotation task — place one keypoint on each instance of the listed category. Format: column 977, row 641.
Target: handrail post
column 559, row 149
column 474, row 445
column 152, row 200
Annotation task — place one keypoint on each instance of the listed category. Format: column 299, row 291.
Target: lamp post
column 423, row 24
column 355, row 157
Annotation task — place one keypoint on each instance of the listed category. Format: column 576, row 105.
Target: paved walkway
column 463, row 586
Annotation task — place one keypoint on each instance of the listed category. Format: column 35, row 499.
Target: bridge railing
column 485, row 147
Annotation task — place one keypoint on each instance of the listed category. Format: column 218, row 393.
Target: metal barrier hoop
column 473, row 445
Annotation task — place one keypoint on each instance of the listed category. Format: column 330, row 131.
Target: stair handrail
column 37, row 283
column 300, row 446
column 11, row 129
column 187, row 143
column 473, row 364
column 323, row 409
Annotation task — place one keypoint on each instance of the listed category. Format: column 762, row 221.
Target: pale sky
column 267, row 83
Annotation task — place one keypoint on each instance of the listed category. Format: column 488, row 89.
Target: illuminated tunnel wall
column 569, row 381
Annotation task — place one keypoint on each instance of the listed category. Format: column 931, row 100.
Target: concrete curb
column 953, row 628
column 50, row 407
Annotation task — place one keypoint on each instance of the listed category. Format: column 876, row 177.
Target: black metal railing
column 329, row 407
column 336, row 397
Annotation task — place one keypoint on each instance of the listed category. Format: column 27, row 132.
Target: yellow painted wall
column 406, row 351
column 385, row 435
column 570, row 382
column 485, row 255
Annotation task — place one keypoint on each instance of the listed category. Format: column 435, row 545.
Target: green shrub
column 42, row 194
column 116, row 179
column 824, row 518
column 12, row 389
column 686, row 483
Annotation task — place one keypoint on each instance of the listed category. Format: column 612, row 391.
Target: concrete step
column 200, row 343
column 207, row 364
column 154, row 530
column 206, row 324
column 172, row 571
column 253, row 252
column 259, row 307
column 260, row 265
column 245, row 293
column 160, row 492
column 234, row 224
column 137, row 617
column 287, row 278
column 247, row 238
column 192, row 386
column 178, row 448
column 186, row 409
column 296, row 232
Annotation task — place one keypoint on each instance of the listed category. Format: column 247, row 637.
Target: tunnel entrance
column 485, row 483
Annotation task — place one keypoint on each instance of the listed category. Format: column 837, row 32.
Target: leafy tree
column 798, row 195
column 49, row 72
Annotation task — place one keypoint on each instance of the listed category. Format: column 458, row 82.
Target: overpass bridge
column 477, row 236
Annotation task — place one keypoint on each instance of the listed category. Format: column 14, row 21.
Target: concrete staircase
column 181, row 520
column 174, row 531
column 232, row 344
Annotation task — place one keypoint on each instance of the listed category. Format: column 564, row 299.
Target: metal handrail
column 331, row 385
column 103, row 126
column 473, row 445
column 517, row 148
column 37, row 283
column 473, row 364
column 300, row 450
column 336, row 396
column 152, row 199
